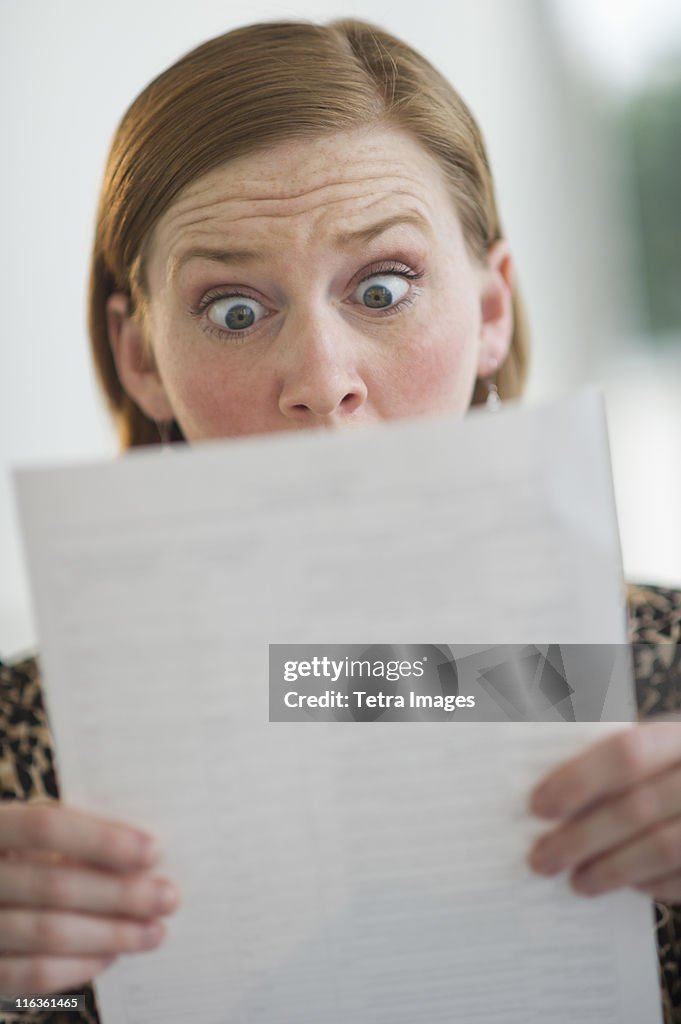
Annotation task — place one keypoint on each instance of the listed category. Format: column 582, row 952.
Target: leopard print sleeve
column 27, row 773
column 655, row 633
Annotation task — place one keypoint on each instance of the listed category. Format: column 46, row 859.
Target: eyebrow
column 344, row 240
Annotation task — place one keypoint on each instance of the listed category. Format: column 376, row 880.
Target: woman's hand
column 75, row 891
column 619, row 805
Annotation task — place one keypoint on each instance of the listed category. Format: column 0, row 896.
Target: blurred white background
column 568, row 96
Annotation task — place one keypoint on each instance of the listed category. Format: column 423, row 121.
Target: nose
column 321, row 383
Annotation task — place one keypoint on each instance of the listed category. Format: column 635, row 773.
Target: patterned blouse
column 27, row 768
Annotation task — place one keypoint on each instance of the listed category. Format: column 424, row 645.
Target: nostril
column 323, row 406
column 350, row 401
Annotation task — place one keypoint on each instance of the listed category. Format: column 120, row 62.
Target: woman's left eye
column 380, row 291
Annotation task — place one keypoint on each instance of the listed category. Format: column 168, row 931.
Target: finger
column 35, row 856
column 66, row 934
column 39, row 857
column 68, row 887
column 33, row 975
column 76, row 834
column 607, row 767
column 666, row 889
column 614, row 822
column 651, row 855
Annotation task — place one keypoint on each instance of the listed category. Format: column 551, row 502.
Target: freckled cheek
column 440, row 374
column 209, row 399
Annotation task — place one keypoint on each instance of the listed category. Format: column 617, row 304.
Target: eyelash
column 386, row 267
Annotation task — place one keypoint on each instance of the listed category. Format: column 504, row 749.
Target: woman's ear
column 134, row 359
column 496, row 307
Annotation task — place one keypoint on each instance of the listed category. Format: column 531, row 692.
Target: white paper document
column 337, row 872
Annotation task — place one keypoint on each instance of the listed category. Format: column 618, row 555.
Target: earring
column 165, row 431
column 493, row 400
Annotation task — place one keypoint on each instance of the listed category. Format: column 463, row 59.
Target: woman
column 297, row 229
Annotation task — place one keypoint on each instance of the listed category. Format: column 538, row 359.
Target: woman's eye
column 381, row 290
column 236, row 312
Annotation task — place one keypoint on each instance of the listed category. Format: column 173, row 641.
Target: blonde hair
column 248, row 90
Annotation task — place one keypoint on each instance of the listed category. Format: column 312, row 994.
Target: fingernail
column 543, row 805
column 149, row 847
column 167, row 897
column 586, row 885
column 545, row 862
column 151, row 935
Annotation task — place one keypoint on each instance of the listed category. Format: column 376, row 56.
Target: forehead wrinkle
column 376, row 199
column 200, row 213
column 384, row 175
column 290, row 198
column 285, row 215
column 344, row 238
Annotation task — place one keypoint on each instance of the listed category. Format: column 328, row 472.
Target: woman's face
column 321, row 283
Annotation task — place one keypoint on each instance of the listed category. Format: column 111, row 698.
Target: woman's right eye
column 235, row 312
